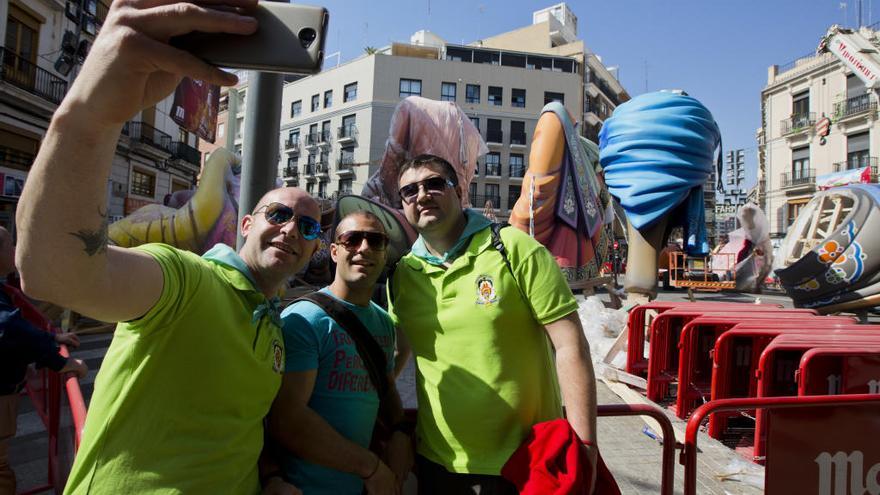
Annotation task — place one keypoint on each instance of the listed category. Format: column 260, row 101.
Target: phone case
column 290, row 39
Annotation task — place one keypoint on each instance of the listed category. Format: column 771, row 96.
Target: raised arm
column 63, row 253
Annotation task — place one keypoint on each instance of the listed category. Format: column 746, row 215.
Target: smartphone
column 290, row 39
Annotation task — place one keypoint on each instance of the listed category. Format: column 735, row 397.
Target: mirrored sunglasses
column 280, row 214
column 433, row 185
column 353, row 239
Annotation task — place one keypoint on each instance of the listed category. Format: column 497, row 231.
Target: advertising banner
column 195, row 107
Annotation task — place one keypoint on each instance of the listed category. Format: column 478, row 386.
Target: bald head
column 305, row 203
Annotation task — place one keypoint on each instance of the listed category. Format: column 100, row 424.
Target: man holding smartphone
column 197, row 357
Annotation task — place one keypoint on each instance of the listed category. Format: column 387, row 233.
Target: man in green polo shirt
column 197, row 357
column 479, row 333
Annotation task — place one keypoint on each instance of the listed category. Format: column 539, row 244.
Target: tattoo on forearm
column 95, row 240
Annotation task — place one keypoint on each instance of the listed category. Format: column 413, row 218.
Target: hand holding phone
column 289, row 39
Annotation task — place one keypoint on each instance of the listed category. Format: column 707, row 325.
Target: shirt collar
column 475, row 223
column 224, row 255
column 241, row 278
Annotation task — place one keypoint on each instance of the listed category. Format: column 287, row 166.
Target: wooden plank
column 616, row 375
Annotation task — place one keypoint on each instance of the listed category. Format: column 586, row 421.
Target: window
column 476, row 122
column 346, row 158
column 518, row 98
column 800, row 165
column 493, row 164
column 513, row 193
column 312, row 138
column 296, row 108
column 177, row 185
column 322, row 189
column 310, row 188
column 348, row 129
column 472, row 193
column 447, row 91
column 21, row 38
column 517, row 132
column 410, row 87
column 350, row 92
column 800, row 106
column 143, row 183
column 221, row 129
column 293, row 138
column 794, row 209
column 472, row 93
column 551, row 96
column 316, row 102
column 495, row 96
column 517, row 166
column 857, row 148
column 328, row 98
column 345, row 186
column 493, row 131
column 291, row 163
column 325, row 132
column 493, row 194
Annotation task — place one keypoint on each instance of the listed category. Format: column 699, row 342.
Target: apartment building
column 794, row 157
column 45, row 43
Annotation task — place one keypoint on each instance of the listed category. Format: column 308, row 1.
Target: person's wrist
column 374, row 469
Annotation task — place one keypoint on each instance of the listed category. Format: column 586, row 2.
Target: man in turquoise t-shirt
column 479, row 333
column 327, row 407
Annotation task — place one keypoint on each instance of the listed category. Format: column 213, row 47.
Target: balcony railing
column 147, row 134
column 517, row 171
column 854, row 106
column 344, row 163
column 518, row 138
column 186, row 153
column 322, row 167
column 493, row 170
column 347, row 132
column 325, row 136
column 860, row 162
column 291, row 144
column 494, row 136
column 27, row 76
column 799, row 178
column 291, row 172
column 479, row 200
column 313, row 138
column 310, row 168
column 798, row 123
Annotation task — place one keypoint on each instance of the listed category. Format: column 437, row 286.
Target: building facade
column 45, row 42
column 794, row 157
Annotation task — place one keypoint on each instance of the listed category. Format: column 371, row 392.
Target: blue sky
column 716, row 51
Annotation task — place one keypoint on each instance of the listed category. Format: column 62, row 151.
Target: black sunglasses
column 280, row 214
column 353, row 239
column 433, row 185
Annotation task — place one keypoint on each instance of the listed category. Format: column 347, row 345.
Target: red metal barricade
column 665, row 333
column 781, row 358
column 696, row 348
column 736, row 356
column 639, row 323
column 668, row 440
column 835, row 371
column 838, row 450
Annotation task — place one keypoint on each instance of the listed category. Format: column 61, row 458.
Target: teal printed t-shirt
column 343, row 395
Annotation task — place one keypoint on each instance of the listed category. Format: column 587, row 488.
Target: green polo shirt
column 485, row 372
column 182, row 392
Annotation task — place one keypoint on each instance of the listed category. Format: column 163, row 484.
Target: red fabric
column 552, row 461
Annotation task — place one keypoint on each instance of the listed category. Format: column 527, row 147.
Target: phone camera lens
column 307, row 37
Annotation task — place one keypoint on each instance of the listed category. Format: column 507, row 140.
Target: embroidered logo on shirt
column 278, row 357
column 486, row 290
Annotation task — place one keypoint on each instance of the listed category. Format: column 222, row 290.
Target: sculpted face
column 279, row 250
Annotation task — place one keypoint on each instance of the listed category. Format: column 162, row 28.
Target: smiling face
column 358, row 264
column 432, row 212
column 278, row 251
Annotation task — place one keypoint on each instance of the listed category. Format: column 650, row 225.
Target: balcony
column 798, row 123
column 291, row 173
column 345, row 165
column 145, row 133
column 27, row 76
column 185, row 152
column 517, row 171
column 479, row 201
column 291, row 145
column 325, row 137
column 517, row 139
column 312, row 139
column 857, row 105
column 862, row 162
column 493, row 170
column 799, row 179
column 322, row 168
column 310, row 168
column 347, row 134
column 495, row 137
